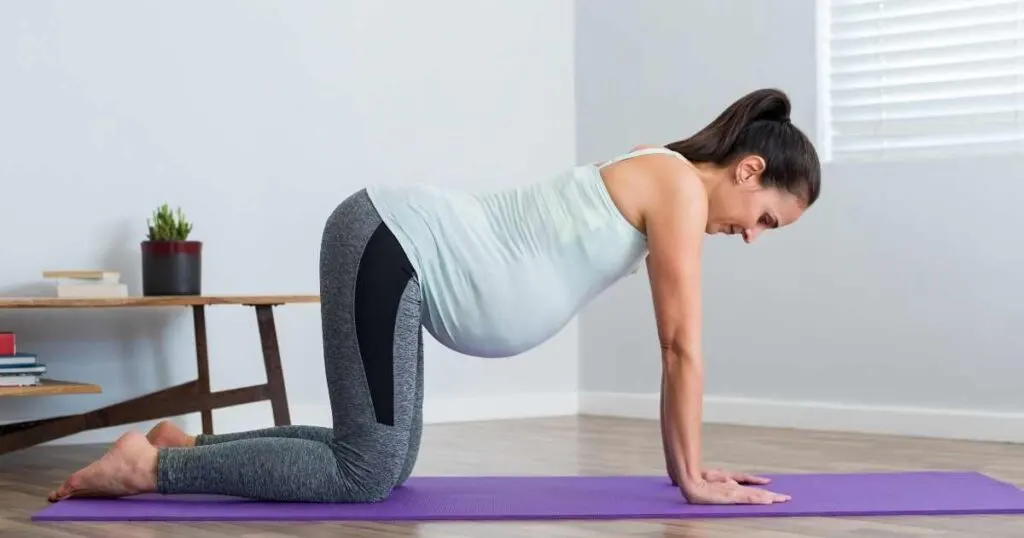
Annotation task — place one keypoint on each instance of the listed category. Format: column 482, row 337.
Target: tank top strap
column 637, row 153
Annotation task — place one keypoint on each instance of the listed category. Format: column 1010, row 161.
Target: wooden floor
column 571, row 445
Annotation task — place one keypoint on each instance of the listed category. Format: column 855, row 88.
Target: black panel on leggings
column 384, row 271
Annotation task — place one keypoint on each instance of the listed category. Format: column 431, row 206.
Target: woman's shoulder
column 674, row 197
column 664, row 169
column 651, row 182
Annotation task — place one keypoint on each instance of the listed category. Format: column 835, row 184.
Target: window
column 920, row 78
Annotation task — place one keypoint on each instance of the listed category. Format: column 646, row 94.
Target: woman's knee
column 369, row 489
column 379, row 492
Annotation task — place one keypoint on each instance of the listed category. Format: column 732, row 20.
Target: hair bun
column 770, row 104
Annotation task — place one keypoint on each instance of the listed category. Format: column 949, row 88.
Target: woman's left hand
column 719, row 475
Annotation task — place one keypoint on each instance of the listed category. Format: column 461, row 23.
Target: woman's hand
column 728, row 492
column 719, row 475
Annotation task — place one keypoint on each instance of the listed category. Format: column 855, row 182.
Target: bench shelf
column 51, row 387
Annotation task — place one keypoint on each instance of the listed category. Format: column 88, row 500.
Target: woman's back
column 501, row 272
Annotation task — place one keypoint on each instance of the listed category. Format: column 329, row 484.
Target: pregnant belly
column 504, row 317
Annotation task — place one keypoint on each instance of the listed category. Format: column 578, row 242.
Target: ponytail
column 759, row 124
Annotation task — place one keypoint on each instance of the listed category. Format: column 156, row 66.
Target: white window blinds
column 922, row 78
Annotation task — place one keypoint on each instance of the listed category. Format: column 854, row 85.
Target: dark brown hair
column 758, row 124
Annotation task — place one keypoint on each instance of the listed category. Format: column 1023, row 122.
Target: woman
column 493, row 275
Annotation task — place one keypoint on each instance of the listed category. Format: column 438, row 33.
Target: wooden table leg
column 202, row 362
column 170, row 402
column 272, row 362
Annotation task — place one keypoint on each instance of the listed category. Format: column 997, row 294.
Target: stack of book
column 18, row 369
column 88, row 283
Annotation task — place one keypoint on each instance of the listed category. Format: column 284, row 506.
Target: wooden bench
column 191, row 397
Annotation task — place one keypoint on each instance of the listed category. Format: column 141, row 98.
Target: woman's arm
column 667, row 432
column 675, row 222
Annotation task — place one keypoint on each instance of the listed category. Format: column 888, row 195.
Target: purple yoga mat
column 579, row 497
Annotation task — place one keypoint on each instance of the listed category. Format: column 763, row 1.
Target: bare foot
column 128, row 468
column 166, row 434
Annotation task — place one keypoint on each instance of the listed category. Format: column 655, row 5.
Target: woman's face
column 741, row 205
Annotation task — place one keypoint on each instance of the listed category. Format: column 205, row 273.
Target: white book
column 84, row 276
column 20, row 381
column 33, row 369
column 17, row 359
column 92, row 291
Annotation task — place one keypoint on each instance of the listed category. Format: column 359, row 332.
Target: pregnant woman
column 493, row 275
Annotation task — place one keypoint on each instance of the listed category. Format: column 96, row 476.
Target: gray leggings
column 373, row 355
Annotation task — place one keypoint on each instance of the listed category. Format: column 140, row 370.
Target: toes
column 59, row 494
column 66, row 489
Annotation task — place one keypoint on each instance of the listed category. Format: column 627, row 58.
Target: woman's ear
column 749, row 169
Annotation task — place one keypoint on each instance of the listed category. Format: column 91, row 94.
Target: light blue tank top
column 502, row 272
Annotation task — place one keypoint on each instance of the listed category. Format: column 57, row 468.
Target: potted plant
column 171, row 263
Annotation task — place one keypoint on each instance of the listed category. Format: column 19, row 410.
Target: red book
column 7, row 346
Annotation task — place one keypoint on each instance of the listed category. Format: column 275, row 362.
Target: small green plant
column 166, row 225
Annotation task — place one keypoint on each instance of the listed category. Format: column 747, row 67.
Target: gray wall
column 902, row 287
column 257, row 117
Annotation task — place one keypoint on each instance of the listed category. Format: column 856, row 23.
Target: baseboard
column 508, row 406
column 920, row 422
column 888, row 420
column 438, row 410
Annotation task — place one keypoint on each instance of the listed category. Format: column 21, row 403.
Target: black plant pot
column 172, row 267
